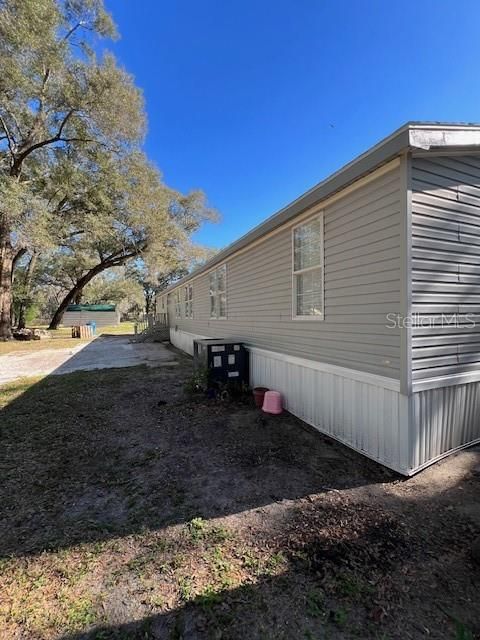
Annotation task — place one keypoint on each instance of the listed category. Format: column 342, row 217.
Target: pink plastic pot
column 272, row 402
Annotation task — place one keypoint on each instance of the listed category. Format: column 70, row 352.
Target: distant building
column 102, row 314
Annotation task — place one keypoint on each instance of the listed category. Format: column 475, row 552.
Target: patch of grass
column 151, row 558
column 315, row 603
column 185, row 588
column 252, row 562
column 274, row 563
column 199, row 530
column 196, row 529
column 124, row 328
column 351, row 586
column 80, row 613
column 221, row 568
column 259, row 565
column 462, row 632
column 340, row 617
column 209, row 597
column 61, row 339
column 13, row 390
column 156, row 600
column 29, row 346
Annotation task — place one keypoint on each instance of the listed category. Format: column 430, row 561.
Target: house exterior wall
column 445, row 282
column 446, row 270
column 408, row 241
column 101, row 318
column 362, row 285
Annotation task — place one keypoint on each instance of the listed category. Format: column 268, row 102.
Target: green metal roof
column 91, row 307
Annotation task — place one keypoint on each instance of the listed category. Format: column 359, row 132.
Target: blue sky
column 255, row 102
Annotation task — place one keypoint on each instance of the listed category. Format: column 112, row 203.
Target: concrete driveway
column 104, row 352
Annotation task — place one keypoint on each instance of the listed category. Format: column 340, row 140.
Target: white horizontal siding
column 362, row 285
column 101, row 318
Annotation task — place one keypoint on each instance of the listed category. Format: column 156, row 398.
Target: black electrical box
column 226, row 360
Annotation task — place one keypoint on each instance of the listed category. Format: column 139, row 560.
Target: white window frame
column 178, row 304
column 214, row 315
column 315, row 318
column 188, row 300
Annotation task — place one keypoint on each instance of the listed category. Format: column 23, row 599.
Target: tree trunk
column 6, row 263
column 58, row 315
column 27, row 285
column 77, row 298
column 82, row 283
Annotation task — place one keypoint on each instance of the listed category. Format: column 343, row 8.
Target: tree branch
column 20, row 253
column 72, row 31
column 43, row 143
column 8, row 137
column 15, row 121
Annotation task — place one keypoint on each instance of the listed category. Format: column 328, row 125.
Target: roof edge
column 411, row 135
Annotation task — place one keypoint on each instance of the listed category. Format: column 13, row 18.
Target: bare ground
column 130, row 510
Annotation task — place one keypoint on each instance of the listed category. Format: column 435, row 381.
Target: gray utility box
column 226, row 360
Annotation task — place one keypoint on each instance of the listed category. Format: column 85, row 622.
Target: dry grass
column 132, row 512
column 61, row 339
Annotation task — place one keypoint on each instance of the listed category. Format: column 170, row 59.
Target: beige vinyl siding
column 445, row 264
column 362, row 285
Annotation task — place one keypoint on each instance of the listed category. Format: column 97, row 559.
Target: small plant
column 316, row 604
column 81, row 613
column 251, row 562
column 198, row 382
column 157, row 601
column 462, row 632
column 340, row 618
column 350, row 586
column 273, row 563
column 209, row 597
column 185, row 587
column 197, row 529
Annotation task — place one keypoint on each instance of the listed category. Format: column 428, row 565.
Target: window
column 218, row 292
column 188, row 301
column 308, row 269
column 178, row 307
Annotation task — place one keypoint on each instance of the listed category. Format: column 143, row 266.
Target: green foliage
column 197, row 528
column 462, row 632
column 198, row 382
column 74, row 185
column 315, row 604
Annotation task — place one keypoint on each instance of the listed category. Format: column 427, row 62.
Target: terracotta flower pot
column 258, row 395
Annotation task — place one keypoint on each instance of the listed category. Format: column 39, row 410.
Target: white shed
column 102, row 314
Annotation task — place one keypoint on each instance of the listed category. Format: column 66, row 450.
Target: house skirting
column 365, row 411
column 443, row 420
column 183, row 340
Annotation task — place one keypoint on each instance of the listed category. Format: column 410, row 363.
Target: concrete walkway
column 104, row 352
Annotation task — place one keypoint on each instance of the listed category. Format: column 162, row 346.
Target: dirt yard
column 131, row 511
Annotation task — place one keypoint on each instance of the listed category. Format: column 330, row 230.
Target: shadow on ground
column 97, row 454
column 157, row 515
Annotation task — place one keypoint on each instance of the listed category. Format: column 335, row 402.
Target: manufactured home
column 360, row 300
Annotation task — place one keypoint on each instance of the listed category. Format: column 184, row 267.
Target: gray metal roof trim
column 385, row 150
